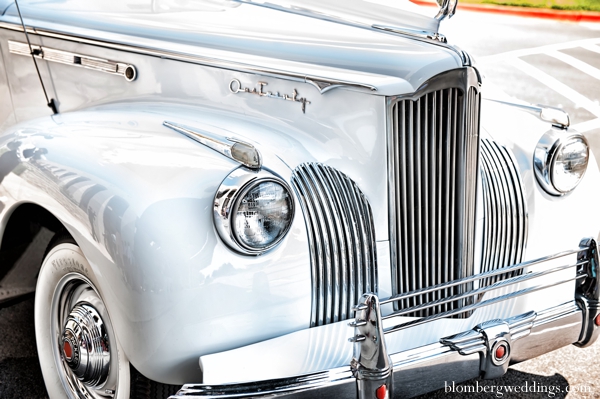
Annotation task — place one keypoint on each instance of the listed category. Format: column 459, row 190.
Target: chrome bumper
column 486, row 350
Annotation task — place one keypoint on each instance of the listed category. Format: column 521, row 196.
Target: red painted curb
column 573, row 16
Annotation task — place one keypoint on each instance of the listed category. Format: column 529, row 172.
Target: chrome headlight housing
column 560, row 161
column 253, row 211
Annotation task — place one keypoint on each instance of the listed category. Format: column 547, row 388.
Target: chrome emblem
column 235, row 86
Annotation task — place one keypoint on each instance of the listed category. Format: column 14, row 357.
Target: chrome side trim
column 232, row 148
column 556, row 116
column 127, row 71
column 321, row 83
column 341, row 236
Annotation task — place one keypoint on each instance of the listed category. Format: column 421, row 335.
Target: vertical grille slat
column 436, row 150
column 341, row 237
column 503, row 198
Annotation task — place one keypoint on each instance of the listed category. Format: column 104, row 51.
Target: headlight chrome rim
column 227, row 200
column 545, row 157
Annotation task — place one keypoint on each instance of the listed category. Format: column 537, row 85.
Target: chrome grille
column 341, row 238
column 505, row 224
column 433, row 163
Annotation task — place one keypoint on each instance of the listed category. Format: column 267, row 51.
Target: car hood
column 332, row 40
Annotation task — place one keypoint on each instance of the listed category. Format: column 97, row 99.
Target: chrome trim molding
column 425, row 36
column 492, row 340
column 235, row 86
column 341, row 235
column 125, row 70
column 545, row 153
column 486, row 349
column 227, row 199
column 556, row 116
column 468, row 292
column 433, row 163
column 418, row 34
column 232, row 148
column 320, row 83
column 505, row 210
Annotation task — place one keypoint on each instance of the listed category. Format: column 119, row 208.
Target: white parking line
column 538, row 50
column 579, row 99
column 576, row 63
column 591, row 47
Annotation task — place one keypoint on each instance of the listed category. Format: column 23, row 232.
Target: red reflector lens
column 500, row 352
column 381, row 392
column 597, row 320
column 68, row 350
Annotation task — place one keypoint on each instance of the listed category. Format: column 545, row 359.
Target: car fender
column 138, row 199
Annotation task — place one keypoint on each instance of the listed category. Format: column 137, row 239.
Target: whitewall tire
column 78, row 350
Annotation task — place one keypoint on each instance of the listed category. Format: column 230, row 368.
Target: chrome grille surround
column 505, row 210
column 341, row 236
column 434, row 159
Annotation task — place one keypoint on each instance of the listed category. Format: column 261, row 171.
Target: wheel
column 78, row 350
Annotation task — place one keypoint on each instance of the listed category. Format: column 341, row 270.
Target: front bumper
column 485, row 350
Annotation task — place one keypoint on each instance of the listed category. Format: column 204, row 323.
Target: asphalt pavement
column 535, row 60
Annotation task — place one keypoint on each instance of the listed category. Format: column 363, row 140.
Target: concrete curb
column 573, row 16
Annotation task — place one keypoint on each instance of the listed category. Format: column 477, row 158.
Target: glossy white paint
column 137, row 196
column 145, row 224
column 285, row 41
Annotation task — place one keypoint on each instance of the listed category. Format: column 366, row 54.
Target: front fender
column 138, row 199
column 554, row 222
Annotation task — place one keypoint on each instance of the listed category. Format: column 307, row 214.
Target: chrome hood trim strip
column 321, row 83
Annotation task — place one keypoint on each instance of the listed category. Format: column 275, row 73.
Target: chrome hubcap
column 84, row 343
column 85, row 346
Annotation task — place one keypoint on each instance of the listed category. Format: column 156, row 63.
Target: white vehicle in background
column 212, row 190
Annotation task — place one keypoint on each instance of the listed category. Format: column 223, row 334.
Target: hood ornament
column 235, row 86
column 447, row 9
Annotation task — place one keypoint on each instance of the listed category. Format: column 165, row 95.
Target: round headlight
column 560, row 161
column 262, row 215
column 253, row 210
column 570, row 163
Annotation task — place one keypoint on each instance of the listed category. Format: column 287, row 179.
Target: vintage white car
column 212, row 191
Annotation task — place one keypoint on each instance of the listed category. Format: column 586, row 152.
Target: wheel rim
column 84, row 344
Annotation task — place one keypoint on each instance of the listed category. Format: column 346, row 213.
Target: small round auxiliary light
column 381, row 392
column 500, row 352
column 597, row 320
